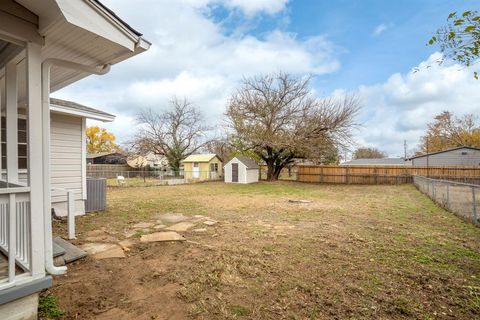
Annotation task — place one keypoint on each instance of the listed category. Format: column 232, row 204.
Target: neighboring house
column 202, row 167
column 157, row 161
column 241, row 170
column 460, row 156
column 45, row 46
column 106, row 158
column 376, row 162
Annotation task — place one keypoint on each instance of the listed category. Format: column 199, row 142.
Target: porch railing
column 15, row 232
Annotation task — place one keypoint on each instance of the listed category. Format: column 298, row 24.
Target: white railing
column 70, row 211
column 15, row 232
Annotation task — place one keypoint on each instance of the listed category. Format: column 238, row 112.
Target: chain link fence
column 462, row 199
column 137, row 178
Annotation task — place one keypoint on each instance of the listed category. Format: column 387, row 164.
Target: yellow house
column 202, row 167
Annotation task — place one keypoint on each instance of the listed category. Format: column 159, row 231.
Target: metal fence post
column 474, row 207
column 448, row 195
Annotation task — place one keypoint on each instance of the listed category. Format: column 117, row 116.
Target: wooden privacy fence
column 384, row 174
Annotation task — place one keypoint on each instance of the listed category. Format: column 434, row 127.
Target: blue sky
column 201, row 49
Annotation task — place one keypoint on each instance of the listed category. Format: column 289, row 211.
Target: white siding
column 66, row 161
column 252, row 175
column 450, row 158
column 244, row 175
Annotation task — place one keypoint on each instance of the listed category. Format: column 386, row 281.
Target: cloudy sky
column 201, row 49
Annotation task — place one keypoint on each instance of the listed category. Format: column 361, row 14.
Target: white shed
column 241, row 170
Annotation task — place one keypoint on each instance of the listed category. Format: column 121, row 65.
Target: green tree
column 368, row 153
column 459, row 39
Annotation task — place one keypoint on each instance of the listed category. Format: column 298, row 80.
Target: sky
column 202, row 49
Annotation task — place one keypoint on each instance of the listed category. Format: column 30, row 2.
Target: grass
column 48, row 308
column 354, row 252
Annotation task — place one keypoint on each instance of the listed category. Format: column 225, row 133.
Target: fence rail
column 462, row 199
column 383, row 174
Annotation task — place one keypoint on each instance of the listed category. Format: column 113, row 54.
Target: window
column 214, row 167
column 195, row 164
column 22, row 143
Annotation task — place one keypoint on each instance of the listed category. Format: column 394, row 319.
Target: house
column 201, row 167
column 44, row 46
column 68, row 149
column 460, row 156
column 106, row 158
column 241, row 170
column 375, row 162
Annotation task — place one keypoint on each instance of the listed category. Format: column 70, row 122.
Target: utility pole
column 428, row 151
column 405, row 149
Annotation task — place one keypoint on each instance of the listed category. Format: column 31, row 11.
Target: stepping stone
column 104, row 250
column 199, row 216
column 159, row 226
column 101, row 238
column 162, row 236
column 210, row 222
column 181, row 226
column 72, row 253
column 130, row 233
column 143, row 225
column 172, row 217
column 200, row 230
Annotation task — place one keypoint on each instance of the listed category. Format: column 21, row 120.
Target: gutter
column 47, row 201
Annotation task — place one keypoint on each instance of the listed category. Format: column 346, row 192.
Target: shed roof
column 375, row 162
column 200, row 157
column 248, row 162
column 443, row 151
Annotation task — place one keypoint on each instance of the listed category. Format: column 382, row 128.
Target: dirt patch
column 384, row 252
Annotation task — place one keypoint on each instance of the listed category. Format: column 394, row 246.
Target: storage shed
column 241, row 170
column 202, row 167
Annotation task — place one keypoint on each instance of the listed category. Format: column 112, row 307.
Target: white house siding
column 252, row 175
column 450, row 158
column 66, row 161
column 245, row 175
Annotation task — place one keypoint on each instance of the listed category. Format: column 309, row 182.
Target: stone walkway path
column 101, row 244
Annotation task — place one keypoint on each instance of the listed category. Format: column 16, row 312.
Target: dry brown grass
column 356, row 252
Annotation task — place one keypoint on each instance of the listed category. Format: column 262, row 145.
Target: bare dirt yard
column 349, row 252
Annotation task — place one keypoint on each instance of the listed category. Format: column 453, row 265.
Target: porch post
column 11, row 112
column 35, row 155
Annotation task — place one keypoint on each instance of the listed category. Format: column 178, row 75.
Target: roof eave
column 82, row 113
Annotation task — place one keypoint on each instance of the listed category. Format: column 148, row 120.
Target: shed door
column 234, row 172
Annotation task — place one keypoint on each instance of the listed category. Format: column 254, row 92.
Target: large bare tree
column 279, row 118
column 175, row 133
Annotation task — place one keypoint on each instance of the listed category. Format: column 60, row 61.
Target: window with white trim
column 22, row 143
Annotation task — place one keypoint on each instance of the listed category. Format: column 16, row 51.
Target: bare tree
column 175, row 134
column 278, row 118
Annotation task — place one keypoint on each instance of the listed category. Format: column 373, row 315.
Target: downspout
column 47, row 201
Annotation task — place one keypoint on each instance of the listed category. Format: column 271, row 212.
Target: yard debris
column 162, row 236
column 300, row 201
column 143, row 225
column 126, row 244
column 210, row 222
column 181, row 226
column 103, row 250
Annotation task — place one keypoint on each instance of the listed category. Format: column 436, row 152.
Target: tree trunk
column 273, row 170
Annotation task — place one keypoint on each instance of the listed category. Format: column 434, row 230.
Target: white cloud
column 251, row 7
column 401, row 107
column 191, row 56
column 381, row 28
